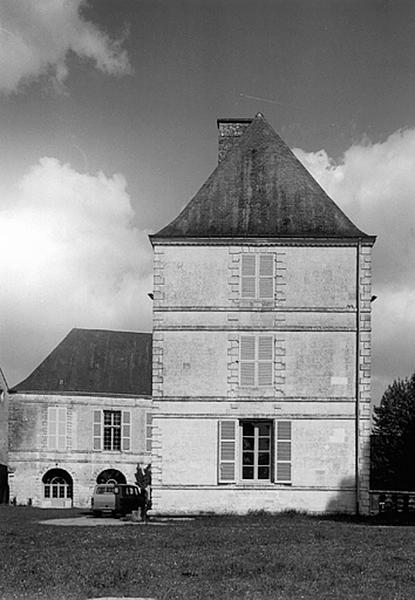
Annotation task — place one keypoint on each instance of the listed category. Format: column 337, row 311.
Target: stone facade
column 318, row 333
column 32, row 455
column 4, row 398
column 4, row 434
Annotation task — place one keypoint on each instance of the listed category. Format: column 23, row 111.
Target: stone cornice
column 280, row 241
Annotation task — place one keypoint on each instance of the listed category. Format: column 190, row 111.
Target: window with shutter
column 256, row 361
column 61, row 429
column 265, row 360
column 126, row 430
column 258, row 451
column 248, row 276
column 112, row 430
column 57, row 429
column 283, row 452
column 247, row 360
column 227, row 451
column 266, row 276
column 52, row 427
column 149, row 422
column 257, row 276
column 97, row 430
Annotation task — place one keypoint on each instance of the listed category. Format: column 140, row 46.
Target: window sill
column 245, row 485
column 255, row 303
column 257, row 392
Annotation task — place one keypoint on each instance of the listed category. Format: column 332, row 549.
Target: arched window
column 111, row 476
column 57, row 483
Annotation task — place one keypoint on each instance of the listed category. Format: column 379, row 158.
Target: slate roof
column 95, row 361
column 260, row 189
column 3, row 383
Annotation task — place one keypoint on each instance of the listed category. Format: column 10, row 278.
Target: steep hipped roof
column 95, row 361
column 3, row 382
column 260, row 189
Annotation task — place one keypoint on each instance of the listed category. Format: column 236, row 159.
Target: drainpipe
column 357, row 391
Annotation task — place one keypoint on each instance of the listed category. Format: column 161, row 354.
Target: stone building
column 4, row 427
column 82, row 417
column 261, row 340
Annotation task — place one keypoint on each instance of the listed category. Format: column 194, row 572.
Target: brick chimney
column 229, row 131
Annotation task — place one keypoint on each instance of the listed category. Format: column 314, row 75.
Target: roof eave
column 365, row 240
column 81, row 393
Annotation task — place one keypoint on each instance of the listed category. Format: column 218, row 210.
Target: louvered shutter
column 149, row 422
column 61, row 428
column 247, row 361
column 265, row 360
column 248, row 276
column 266, row 276
column 52, row 427
column 126, row 430
column 97, row 430
column 283, row 452
column 227, row 451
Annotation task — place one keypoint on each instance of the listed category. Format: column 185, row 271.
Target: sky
column 108, row 115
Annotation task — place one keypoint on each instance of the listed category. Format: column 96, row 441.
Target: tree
column 143, row 481
column 393, row 439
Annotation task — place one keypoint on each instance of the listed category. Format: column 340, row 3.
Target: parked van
column 120, row 498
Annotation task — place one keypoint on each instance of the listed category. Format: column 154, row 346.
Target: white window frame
column 256, row 423
column 257, row 276
column 112, row 428
column 99, row 426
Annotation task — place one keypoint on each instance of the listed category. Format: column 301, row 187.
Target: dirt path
column 87, row 521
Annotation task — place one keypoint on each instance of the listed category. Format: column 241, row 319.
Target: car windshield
column 104, row 489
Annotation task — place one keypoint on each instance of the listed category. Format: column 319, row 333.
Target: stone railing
column 392, row 502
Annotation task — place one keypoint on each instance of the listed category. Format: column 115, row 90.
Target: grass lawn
column 255, row 557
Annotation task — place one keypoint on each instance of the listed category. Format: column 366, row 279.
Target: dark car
column 120, row 498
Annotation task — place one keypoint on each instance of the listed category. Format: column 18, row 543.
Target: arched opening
column 58, row 488
column 111, row 476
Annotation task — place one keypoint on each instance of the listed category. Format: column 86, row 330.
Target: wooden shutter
column 247, row 361
column 227, row 451
column 283, row 452
column 61, row 428
column 149, row 423
column 266, row 276
column 265, row 359
column 52, row 427
column 126, row 430
column 97, row 430
column 248, row 276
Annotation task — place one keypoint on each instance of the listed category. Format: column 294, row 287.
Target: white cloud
column 69, row 256
column 36, row 36
column 375, row 185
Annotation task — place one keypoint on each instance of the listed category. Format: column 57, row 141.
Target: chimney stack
column 230, row 130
